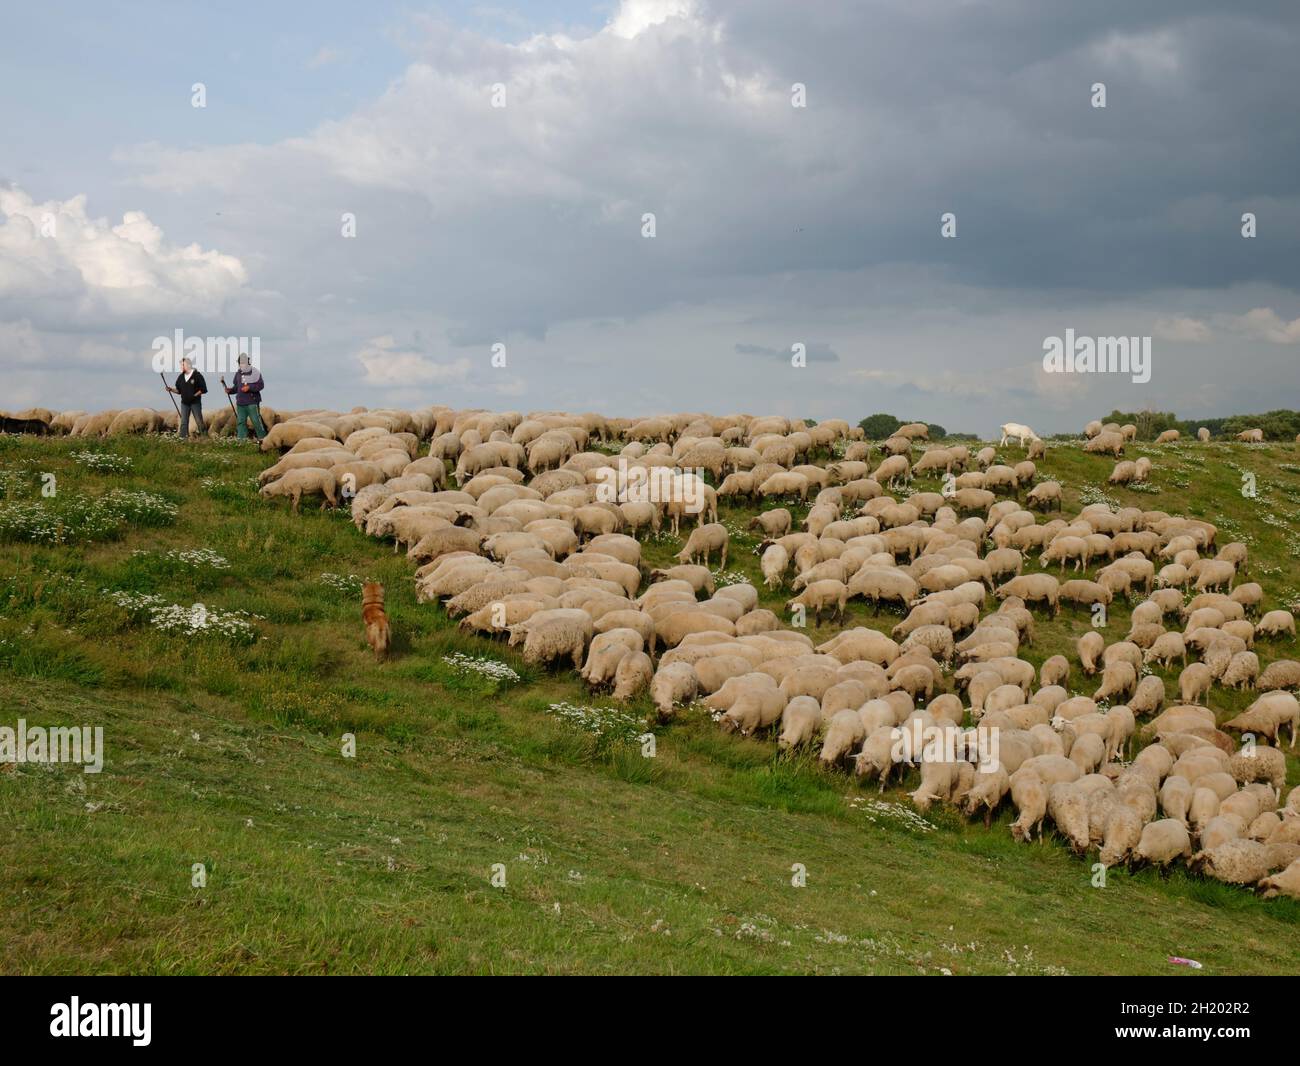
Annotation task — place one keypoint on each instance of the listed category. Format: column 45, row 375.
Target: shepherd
column 247, row 391
column 190, row 386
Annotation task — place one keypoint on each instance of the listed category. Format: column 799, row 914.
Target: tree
column 937, row 432
column 879, row 426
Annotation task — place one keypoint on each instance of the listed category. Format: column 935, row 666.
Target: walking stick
column 173, row 399
column 229, row 400
column 232, row 404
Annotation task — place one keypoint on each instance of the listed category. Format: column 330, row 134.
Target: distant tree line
column 879, row 427
column 1277, row 425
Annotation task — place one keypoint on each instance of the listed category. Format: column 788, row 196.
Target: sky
column 498, row 163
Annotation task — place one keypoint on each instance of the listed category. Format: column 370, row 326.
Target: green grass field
column 227, row 752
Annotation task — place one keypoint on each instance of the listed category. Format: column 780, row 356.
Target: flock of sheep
column 537, row 540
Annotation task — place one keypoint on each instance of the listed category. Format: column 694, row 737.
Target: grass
column 232, row 756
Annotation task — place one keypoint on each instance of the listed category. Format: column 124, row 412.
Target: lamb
column 673, row 683
column 1194, row 682
column 310, row 481
column 1162, row 842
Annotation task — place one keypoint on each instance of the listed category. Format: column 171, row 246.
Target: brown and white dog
column 375, row 618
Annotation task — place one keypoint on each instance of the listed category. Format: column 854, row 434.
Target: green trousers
column 243, row 414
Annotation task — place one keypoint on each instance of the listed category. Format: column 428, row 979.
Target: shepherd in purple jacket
column 247, row 391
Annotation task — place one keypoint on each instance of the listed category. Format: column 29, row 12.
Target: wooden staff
column 173, row 399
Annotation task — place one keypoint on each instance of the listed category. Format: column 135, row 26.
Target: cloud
column 815, row 353
column 1182, row 329
column 66, row 268
column 386, row 364
column 1267, row 324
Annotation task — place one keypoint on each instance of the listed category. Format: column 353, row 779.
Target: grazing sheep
column 1045, row 496
column 1276, row 624
column 1029, row 796
column 844, row 733
column 1268, row 715
column 1055, row 671
column 800, row 722
column 1090, row 647
column 705, row 540
column 1033, row 588
column 633, row 676
column 1286, row 883
column 673, row 684
column 1162, row 842
column 308, row 481
column 1282, row 674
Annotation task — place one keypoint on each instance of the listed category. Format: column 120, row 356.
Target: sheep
column 1166, row 648
column 1282, row 674
column 1286, row 883
column 673, row 684
column 1276, row 624
column 634, row 674
column 987, row 792
column 877, row 756
column 1242, row 862
column 844, row 732
column 1267, row 715
column 296, row 483
column 773, row 563
column 800, row 722
column 1122, row 836
column 1149, row 696
column 1161, row 843
column 1045, row 496
column 1029, row 795
column 1033, row 588
column 1243, row 668
column 1054, row 671
column 705, row 540
column 819, row 596
column 939, row 780
column 555, row 634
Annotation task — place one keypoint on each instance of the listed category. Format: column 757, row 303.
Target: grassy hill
column 224, row 748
